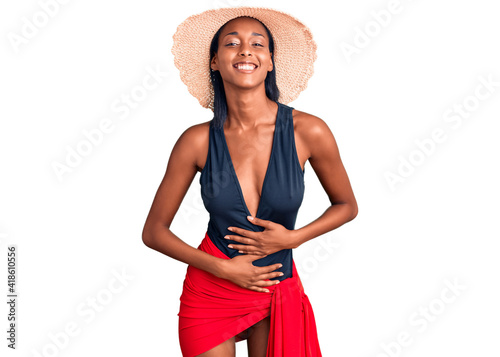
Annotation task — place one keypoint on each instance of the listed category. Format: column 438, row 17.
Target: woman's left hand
column 273, row 238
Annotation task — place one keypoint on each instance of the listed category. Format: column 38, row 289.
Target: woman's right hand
column 243, row 273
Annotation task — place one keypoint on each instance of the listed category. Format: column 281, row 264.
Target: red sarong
column 213, row 310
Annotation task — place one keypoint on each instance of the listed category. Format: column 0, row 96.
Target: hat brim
column 294, row 50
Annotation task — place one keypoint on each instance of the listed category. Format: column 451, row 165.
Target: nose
column 245, row 50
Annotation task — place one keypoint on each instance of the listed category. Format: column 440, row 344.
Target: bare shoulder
column 194, row 143
column 311, row 131
column 309, row 126
column 196, row 132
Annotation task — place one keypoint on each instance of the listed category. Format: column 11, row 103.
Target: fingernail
column 226, row 237
column 230, row 246
column 281, row 265
column 250, row 218
column 240, row 251
column 281, row 274
column 277, row 281
column 266, row 291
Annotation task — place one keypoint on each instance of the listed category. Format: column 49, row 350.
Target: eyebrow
column 236, row 33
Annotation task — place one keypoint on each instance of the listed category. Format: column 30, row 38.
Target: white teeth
column 246, row 67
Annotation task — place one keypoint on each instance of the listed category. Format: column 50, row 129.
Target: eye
column 231, row 43
column 259, row 44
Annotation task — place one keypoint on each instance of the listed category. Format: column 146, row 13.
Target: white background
column 367, row 280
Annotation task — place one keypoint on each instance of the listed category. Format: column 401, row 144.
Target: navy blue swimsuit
column 281, row 196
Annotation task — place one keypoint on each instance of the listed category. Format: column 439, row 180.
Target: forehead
column 244, row 24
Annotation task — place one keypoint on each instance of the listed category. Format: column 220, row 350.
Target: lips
column 245, row 66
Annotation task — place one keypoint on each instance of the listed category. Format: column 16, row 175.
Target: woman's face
column 243, row 40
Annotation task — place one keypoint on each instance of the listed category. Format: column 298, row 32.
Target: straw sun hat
column 294, row 50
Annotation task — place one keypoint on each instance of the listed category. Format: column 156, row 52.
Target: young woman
column 241, row 283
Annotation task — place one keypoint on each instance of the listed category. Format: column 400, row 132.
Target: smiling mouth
column 245, row 67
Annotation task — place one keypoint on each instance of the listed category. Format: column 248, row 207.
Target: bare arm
column 314, row 141
column 181, row 169
column 316, row 138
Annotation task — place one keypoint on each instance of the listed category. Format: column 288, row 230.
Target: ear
column 213, row 63
column 270, row 68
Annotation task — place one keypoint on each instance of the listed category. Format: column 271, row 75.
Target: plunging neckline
column 230, row 160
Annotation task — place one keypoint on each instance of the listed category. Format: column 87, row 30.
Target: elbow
column 354, row 211
column 147, row 237
column 153, row 233
column 351, row 211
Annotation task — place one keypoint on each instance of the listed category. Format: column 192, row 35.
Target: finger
column 246, row 249
column 271, row 275
column 270, row 268
column 240, row 239
column 260, row 222
column 236, row 246
column 243, row 232
column 261, row 290
column 265, row 283
column 260, row 286
column 256, row 253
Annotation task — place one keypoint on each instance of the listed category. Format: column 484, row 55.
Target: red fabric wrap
column 213, row 310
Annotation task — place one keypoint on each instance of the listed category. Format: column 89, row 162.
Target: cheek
column 225, row 61
column 266, row 62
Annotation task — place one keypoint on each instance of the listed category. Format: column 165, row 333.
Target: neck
column 248, row 108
